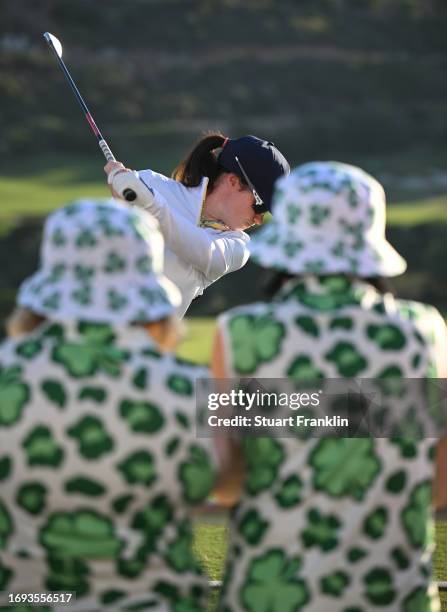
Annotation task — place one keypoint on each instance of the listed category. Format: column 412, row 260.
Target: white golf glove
column 120, row 180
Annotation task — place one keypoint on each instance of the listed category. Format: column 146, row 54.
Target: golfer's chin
column 241, row 225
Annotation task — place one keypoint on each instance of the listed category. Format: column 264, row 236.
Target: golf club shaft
column 128, row 194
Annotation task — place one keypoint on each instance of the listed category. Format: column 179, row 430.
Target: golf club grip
column 106, row 150
column 128, row 194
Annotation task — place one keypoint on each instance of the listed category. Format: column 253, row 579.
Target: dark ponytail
column 201, row 161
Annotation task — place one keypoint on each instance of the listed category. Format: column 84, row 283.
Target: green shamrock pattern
column 196, row 475
column 302, row 368
column 254, row 340
column 6, row 525
column 263, row 459
column 138, row 467
column 290, row 492
column 84, row 534
column 96, row 352
column 31, row 497
column 114, row 263
column 357, row 509
column 91, row 436
column 418, row 601
column 58, row 238
column 42, row 449
column 67, row 574
column 347, row 360
column 5, row 576
column 82, row 295
column 54, row 391
column 5, row 467
column 344, row 466
column 179, row 555
column 375, row 524
column 308, row 325
column 293, row 213
column 318, row 214
column 153, row 519
column 96, row 418
column 415, row 516
column 321, row 531
column 85, row 486
column 388, row 337
column 272, row 584
column 29, row 348
column 83, row 273
column 180, row 384
column 253, row 526
column 14, row 395
column 85, row 239
column 334, row 584
column 141, row 416
column 379, row 588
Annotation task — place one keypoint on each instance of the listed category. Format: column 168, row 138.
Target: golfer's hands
column 112, row 168
column 126, row 185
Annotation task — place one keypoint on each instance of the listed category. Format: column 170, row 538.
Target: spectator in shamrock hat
column 331, row 523
column 99, row 464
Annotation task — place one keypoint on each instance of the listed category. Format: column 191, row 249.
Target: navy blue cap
column 257, row 160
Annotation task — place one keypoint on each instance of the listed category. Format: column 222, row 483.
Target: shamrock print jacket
column 333, row 523
column 99, row 468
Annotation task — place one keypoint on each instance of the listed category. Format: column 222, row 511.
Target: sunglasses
column 258, row 200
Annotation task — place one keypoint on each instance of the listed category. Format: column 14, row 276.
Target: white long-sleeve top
column 195, row 256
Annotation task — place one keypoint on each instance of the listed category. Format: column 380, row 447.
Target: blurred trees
column 337, row 76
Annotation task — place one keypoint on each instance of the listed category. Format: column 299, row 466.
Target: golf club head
column 54, row 43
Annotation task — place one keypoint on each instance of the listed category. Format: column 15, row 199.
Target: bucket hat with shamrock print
column 101, row 261
column 328, row 217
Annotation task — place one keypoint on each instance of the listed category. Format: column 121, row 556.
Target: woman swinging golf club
column 221, row 188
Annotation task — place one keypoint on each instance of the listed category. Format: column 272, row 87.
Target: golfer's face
column 241, row 213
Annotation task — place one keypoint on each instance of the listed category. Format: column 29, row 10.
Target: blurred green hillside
column 325, row 78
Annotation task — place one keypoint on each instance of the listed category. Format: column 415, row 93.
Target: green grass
column 441, row 550
column 49, row 183
column 39, row 185
column 40, row 194
column 423, row 210
column 198, row 339
column 211, row 546
column 441, row 558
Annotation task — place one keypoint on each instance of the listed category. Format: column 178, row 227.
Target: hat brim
column 140, row 299
column 281, row 249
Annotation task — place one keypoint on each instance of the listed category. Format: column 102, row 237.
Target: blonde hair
column 166, row 332
column 22, row 321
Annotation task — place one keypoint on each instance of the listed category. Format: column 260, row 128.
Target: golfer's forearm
column 212, row 256
column 188, row 242
column 191, row 243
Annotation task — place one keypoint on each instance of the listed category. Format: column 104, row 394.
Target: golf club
column 55, row 44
